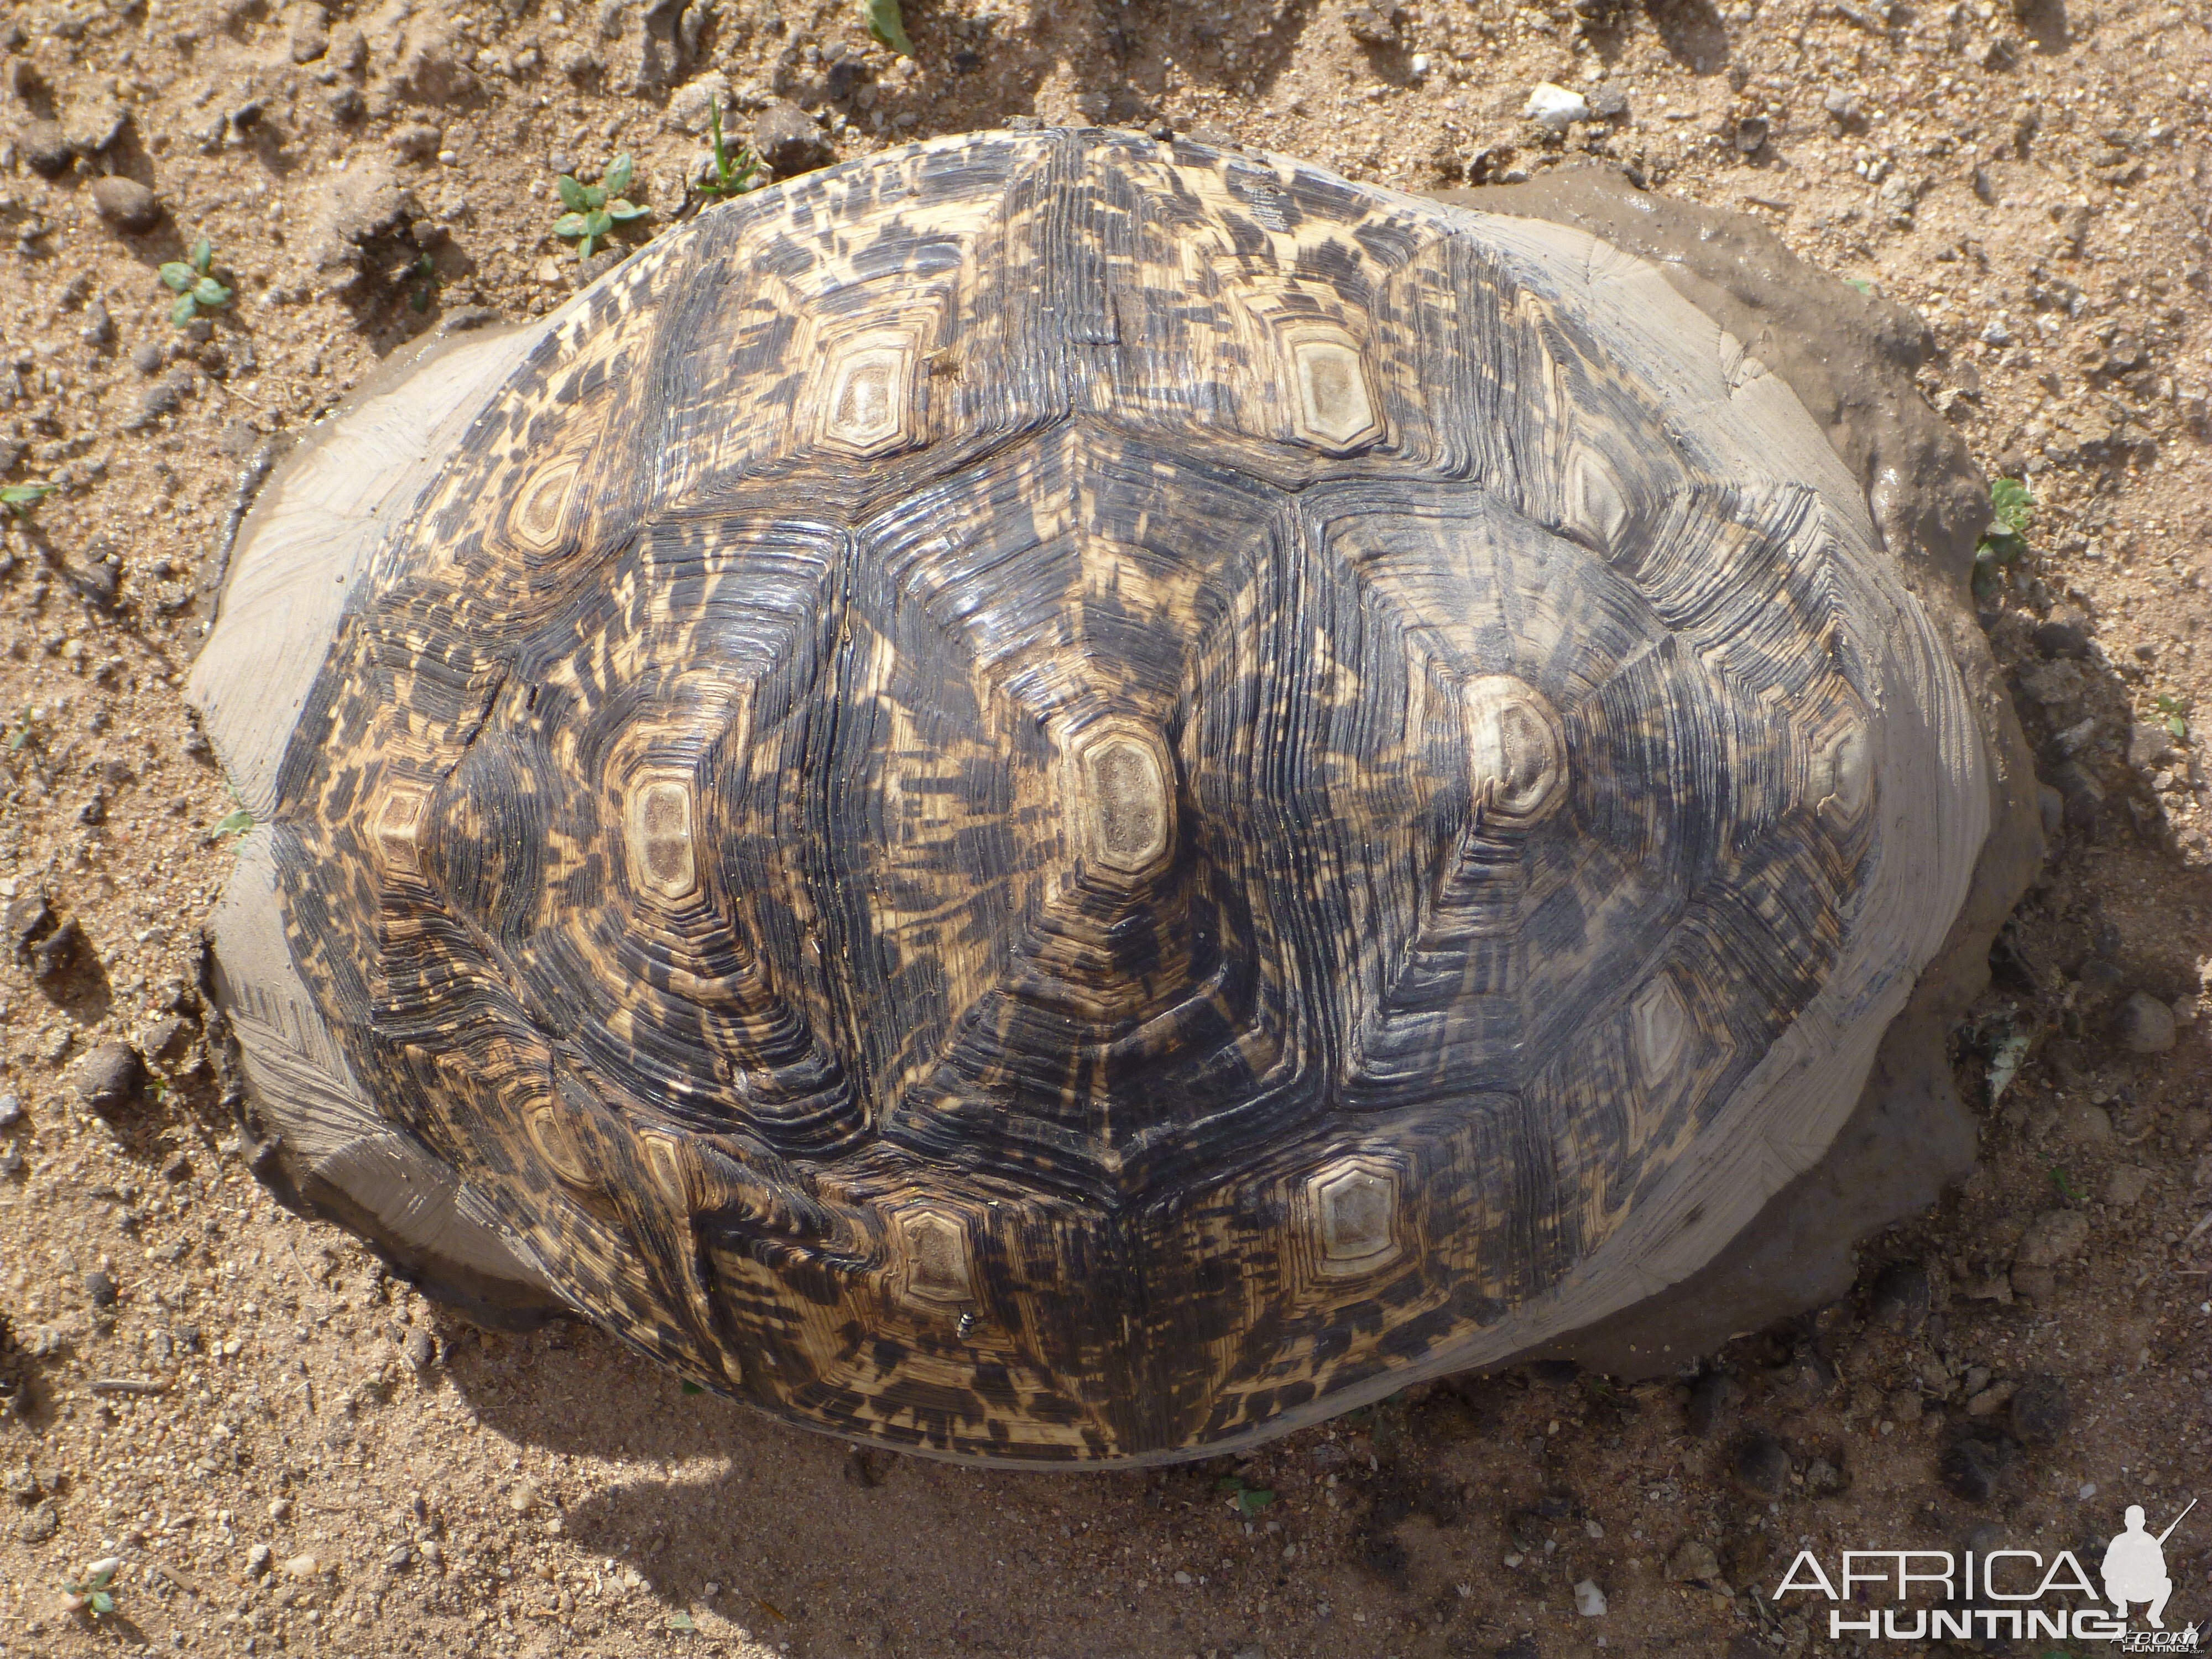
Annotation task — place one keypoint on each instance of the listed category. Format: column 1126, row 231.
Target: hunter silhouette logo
column 2135, row 1567
column 2003, row 1594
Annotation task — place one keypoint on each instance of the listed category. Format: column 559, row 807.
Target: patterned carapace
column 1057, row 797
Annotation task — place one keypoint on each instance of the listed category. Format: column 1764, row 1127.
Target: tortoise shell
column 1055, row 798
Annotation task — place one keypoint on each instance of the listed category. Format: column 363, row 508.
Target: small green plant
column 889, row 27
column 426, row 269
column 236, row 822
column 21, row 735
column 729, row 175
column 683, row 1621
column 192, row 280
column 595, row 209
column 93, row 1595
column 1248, row 1500
column 2173, row 714
column 2066, row 1192
column 1860, row 283
column 23, row 497
column 2011, row 508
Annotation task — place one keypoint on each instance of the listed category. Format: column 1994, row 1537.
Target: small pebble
column 1973, row 1469
column 2145, row 1026
column 420, row 1351
column 257, row 1560
column 2060, row 638
column 302, row 1566
column 2041, row 1413
column 1751, row 135
column 1693, row 1562
column 146, row 357
column 1555, row 108
column 100, row 1287
column 1589, row 1600
column 11, row 1111
column 787, row 139
column 44, row 149
column 1608, row 103
column 112, row 1075
column 127, row 203
column 1760, row 1467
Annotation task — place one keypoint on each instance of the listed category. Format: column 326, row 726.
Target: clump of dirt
column 285, row 1446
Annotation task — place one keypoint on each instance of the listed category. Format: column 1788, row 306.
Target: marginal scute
column 1354, row 1205
column 1516, row 750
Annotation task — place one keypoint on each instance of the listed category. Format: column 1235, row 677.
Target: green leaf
column 179, row 275
column 572, row 193
column 595, row 196
column 625, row 211
column 888, row 27
column 419, row 300
column 2010, row 505
column 22, row 497
column 2176, row 726
column 598, row 222
column 1860, row 283
column 569, row 224
column 234, row 824
column 681, row 1621
column 210, row 293
column 584, row 247
column 184, row 311
column 615, row 181
column 102, row 1604
column 203, row 255
column 693, row 1387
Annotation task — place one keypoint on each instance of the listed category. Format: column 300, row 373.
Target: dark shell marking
column 1053, row 798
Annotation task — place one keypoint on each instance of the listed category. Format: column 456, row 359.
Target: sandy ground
column 291, row 1452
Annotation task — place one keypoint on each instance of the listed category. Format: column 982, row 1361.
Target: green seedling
column 192, row 281
column 2010, row 510
column 21, row 735
column 681, row 1621
column 888, row 27
column 595, row 209
column 1247, row 1500
column 1860, row 283
column 236, row 822
column 2065, row 1187
column 2173, row 714
column 729, row 175
column 23, row 497
column 93, row 1594
column 426, row 269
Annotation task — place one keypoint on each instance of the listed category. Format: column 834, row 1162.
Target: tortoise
column 1060, row 799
